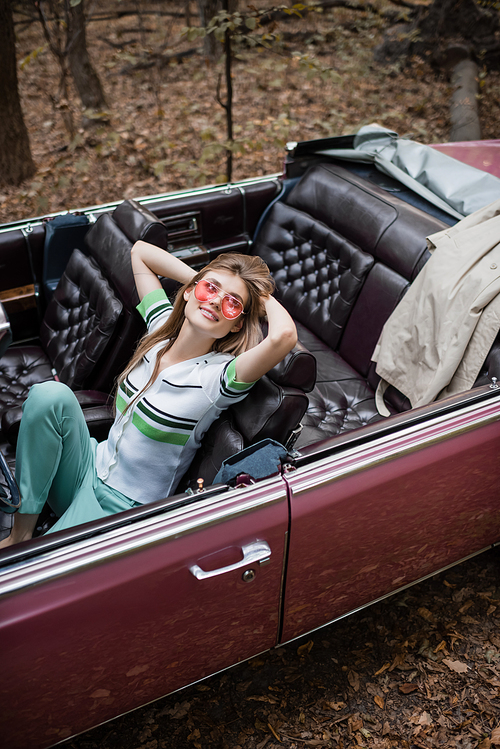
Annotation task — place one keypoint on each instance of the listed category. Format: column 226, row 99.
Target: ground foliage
column 417, row 671
column 166, row 130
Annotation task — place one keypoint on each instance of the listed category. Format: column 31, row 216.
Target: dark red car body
column 106, row 617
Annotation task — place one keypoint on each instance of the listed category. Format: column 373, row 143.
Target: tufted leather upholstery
column 343, row 252
column 91, row 326
column 75, row 331
column 318, row 273
column 20, row 368
column 79, row 320
column 109, row 242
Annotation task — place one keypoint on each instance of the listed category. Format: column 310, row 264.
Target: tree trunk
column 85, row 77
column 16, row 162
column 464, row 113
column 207, row 10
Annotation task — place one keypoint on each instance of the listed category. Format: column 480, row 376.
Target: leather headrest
column 137, row 222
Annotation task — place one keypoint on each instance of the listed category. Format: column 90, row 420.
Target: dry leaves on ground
column 166, row 128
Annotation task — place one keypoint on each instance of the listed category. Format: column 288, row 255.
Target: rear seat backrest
column 369, row 245
column 318, row 272
column 380, row 224
column 342, row 253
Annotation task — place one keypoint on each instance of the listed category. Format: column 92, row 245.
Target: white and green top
column 149, row 449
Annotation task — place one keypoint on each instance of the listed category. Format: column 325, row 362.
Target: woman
column 197, row 358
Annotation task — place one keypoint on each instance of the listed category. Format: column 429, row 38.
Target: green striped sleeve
column 231, row 381
column 153, row 305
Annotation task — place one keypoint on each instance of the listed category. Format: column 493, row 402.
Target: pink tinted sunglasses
column 205, row 291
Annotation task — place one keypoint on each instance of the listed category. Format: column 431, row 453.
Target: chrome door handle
column 258, row 551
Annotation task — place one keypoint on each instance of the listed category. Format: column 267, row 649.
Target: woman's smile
column 209, row 314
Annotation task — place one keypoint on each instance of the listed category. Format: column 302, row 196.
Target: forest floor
column 421, row 669
column 166, row 128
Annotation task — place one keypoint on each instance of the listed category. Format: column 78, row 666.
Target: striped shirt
column 149, row 449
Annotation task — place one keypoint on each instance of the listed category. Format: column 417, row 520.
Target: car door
column 390, row 506
column 104, row 618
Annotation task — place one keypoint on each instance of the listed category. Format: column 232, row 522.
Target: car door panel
column 20, row 258
column 223, row 213
column 104, row 625
column 372, row 519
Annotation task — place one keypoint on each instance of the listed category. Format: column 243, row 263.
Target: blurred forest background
column 157, row 124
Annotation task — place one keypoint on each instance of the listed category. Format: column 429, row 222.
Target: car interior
column 342, row 251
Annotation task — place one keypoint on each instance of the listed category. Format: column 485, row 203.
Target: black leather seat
column 76, row 329
column 90, row 327
column 343, row 252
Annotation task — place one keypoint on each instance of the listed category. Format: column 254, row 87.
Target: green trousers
column 55, row 461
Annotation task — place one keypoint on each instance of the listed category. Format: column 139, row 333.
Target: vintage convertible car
column 110, row 615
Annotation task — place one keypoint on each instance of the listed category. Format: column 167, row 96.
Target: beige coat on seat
column 439, row 335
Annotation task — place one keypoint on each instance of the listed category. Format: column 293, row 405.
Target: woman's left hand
column 281, row 338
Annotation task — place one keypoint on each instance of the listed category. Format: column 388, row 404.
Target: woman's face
column 207, row 315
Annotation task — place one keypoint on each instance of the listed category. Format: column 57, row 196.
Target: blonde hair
column 258, row 280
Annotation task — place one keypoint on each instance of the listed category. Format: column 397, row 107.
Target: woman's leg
column 54, row 455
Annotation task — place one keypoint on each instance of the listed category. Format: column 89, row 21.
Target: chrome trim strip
column 388, row 595
column 305, row 477
column 140, row 535
column 29, row 224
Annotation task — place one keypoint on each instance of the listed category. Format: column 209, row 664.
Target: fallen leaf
column 441, row 646
column 466, row 606
column 426, row 614
column 495, row 736
column 306, row 648
column 425, row 719
column 355, row 723
column 353, row 680
column 379, row 701
column 383, row 668
column 457, row 666
column 334, row 705
column 406, row 688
